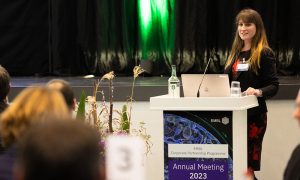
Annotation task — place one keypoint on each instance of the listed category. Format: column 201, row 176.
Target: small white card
column 242, row 67
column 124, row 158
column 198, row 150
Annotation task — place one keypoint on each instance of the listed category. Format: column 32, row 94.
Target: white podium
column 192, row 143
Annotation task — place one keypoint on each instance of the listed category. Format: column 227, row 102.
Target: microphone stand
column 198, row 91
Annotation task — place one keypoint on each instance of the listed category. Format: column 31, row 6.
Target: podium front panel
column 198, row 145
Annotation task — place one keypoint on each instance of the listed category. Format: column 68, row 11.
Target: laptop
column 213, row 85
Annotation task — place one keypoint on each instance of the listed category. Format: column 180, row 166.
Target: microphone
column 198, row 91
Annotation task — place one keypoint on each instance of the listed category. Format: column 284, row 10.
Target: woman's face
column 246, row 30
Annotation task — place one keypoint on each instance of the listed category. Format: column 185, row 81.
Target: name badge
column 242, row 67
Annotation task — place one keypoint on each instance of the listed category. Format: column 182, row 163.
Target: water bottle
column 174, row 84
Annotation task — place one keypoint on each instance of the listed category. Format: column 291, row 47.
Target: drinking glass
column 235, row 89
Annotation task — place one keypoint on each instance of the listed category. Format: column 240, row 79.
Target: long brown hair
column 259, row 41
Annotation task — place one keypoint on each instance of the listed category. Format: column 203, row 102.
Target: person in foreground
column 60, row 150
column 65, row 88
column 292, row 171
column 4, row 88
column 251, row 62
column 32, row 105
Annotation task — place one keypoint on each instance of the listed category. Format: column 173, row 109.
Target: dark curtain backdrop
column 77, row 37
column 24, row 36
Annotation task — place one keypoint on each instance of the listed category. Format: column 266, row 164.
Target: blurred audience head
column 297, row 108
column 65, row 88
column 31, row 105
column 4, row 83
column 60, row 150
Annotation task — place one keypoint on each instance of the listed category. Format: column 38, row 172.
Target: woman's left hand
column 252, row 91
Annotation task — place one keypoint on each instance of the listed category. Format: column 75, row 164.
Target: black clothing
column 267, row 81
column 292, row 170
column 7, row 161
column 257, row 125
column 3, row 106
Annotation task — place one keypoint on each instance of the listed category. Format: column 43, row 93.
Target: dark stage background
column 77, row 37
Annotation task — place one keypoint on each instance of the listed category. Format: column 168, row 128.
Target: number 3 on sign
column 124, row 161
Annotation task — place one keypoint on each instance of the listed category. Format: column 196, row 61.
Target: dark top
column 292, row 170
column 7, row 160
column 266, row 79
column 3, row 106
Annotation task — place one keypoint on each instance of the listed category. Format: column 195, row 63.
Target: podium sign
column 199, row 145
column 204, row 138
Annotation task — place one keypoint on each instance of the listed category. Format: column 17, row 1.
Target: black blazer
column 266, row 80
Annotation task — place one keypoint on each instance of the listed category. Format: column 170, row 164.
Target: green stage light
column 145, row 16
column 156, row 28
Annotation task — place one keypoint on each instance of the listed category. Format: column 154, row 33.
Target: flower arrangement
column 105, row 117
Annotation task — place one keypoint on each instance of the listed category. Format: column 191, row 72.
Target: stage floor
column 145, row 87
